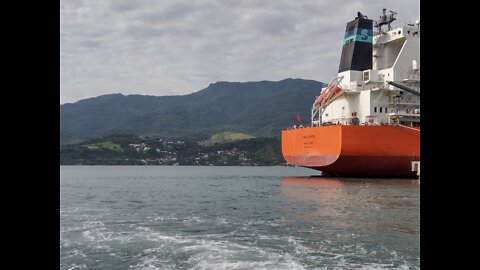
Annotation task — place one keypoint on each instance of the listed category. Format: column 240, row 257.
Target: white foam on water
column 379, row 266
column 220, row 255
column 299, row 248
column 347, row 261
column 64, row 242
column 149, row 234
column 94, row 235
column 105, row 247
column 156, row 217
column 76, row 252
column 151, row 263
column 84, row 226
column 207, row 253
column 103, row 235
column 193, row 220
column 221, row 220
column 274, row 261
column 92, row 224
column 75, row 266
column 248, row 250
column 73, row 253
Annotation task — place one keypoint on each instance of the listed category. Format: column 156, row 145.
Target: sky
column 176, row 47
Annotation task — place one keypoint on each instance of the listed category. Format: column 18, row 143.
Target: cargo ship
column 366, row 121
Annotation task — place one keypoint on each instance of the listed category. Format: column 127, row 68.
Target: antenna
column 391, row 18
column 385, row 20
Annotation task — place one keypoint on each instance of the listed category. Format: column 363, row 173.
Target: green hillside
column 260, row 109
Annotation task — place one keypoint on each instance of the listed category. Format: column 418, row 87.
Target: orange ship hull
column 354, row 150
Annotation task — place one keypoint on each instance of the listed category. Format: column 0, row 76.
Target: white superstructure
column 369, row 96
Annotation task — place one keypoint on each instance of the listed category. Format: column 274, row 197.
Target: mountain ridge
column 261, row 109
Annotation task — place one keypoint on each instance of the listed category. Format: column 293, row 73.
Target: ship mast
column 385, row 20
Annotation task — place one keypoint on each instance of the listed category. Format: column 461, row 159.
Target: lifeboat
column 335, row 88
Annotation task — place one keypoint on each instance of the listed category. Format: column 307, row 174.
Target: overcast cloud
column 172, row 47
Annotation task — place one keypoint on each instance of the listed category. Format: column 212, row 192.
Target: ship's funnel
column 357, row 45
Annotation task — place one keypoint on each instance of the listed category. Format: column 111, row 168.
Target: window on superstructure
column 380, row 109
column 366, row 76
column 350, row 31
column 386, row 110
column 374, row 109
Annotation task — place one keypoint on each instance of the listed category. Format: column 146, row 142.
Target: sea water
column 182, row 217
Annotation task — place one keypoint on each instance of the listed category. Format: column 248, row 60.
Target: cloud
column 181, row 46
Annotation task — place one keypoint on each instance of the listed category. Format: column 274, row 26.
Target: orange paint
column 353, row 150
column 324, row 94
column 316, row 146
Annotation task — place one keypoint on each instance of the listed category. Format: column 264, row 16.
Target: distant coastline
column 144, row 150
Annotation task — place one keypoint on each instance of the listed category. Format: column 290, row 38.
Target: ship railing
column 296, row 127
column 339, row 123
